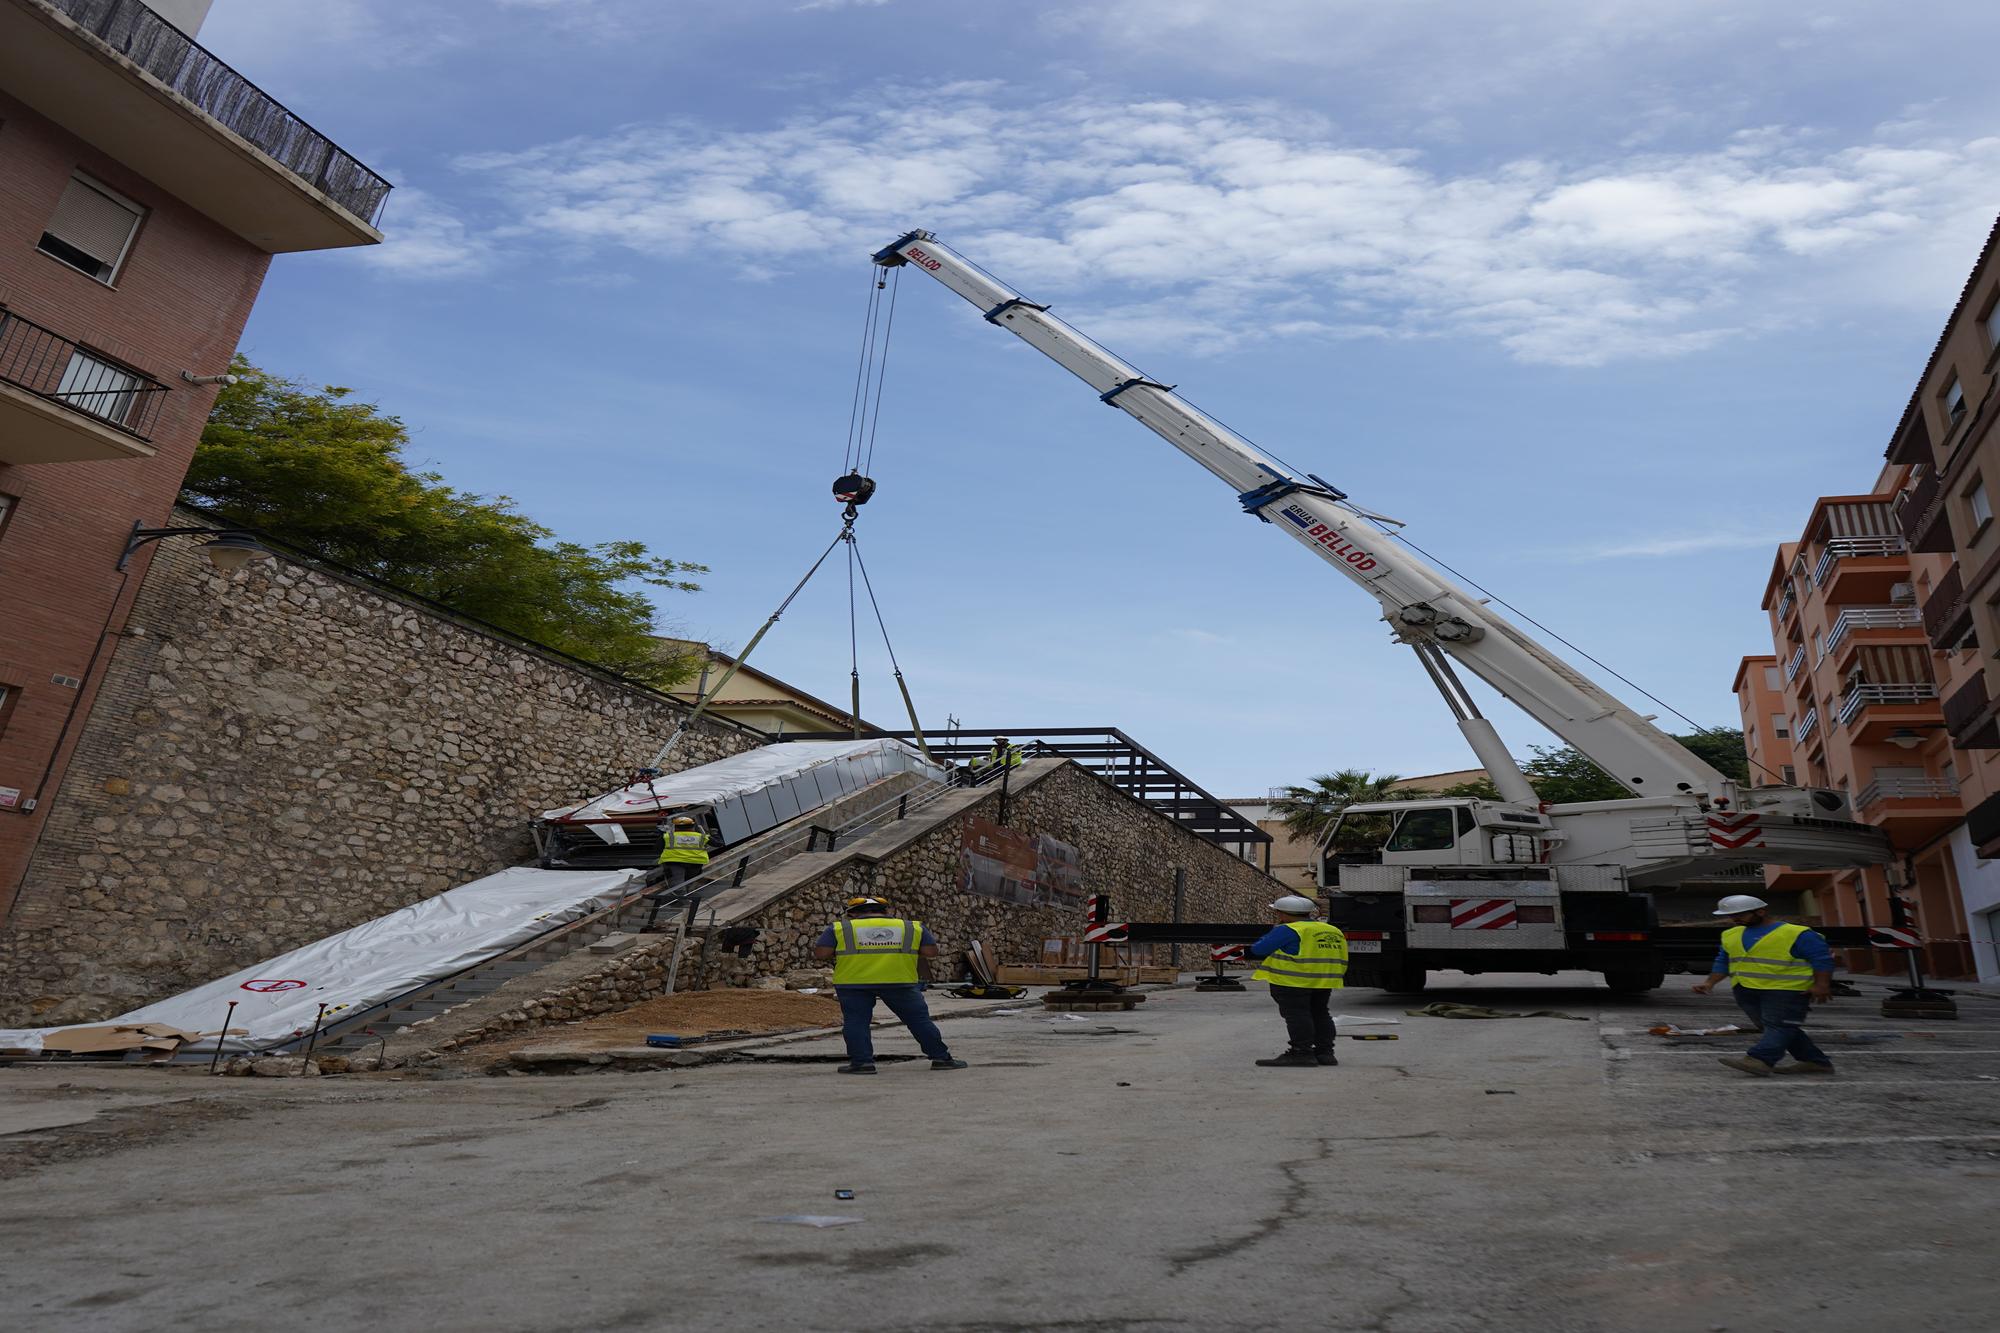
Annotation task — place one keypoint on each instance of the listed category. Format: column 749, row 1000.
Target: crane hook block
column 853, row 489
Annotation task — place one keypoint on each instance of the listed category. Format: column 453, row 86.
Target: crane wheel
column 1635, row 980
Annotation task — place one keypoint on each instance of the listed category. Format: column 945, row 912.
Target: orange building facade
column 1884, row 615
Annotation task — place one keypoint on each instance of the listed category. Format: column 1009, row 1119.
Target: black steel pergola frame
column 1105, row 751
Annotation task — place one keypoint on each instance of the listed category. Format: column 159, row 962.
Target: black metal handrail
column 50, row 366
column 194, row 72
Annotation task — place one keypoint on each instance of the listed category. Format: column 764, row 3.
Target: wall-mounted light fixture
column 231, row 549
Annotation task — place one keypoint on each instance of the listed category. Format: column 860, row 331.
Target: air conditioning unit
column 1903, row 594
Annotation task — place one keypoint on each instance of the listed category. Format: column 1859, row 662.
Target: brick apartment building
column 144, row 187
column 1884, row 615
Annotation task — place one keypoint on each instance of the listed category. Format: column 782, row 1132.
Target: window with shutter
column 92, row 229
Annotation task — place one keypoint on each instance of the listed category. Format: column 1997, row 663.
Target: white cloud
column 424, row 239
column 1213, row 223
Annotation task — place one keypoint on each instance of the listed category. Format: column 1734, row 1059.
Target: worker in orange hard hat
column 875, row 957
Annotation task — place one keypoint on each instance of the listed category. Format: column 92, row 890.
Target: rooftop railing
column 51, row 366
column 192, row 71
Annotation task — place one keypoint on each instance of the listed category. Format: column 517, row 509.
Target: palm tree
column 1309, row 811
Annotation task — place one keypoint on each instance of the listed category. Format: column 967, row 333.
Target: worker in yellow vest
column 1779, row 970
column 1306, row 962
column 1004, row 754
column 684, row 849
column 875, row 957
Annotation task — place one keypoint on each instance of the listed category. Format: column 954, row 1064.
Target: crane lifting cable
column 852, row 489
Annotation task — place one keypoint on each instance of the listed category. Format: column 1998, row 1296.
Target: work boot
column 855, row 1069
column 1291, row 1060
column 1749, row 1064
column 1326, row 1057
column 1804, row 1067
column 947, row 1063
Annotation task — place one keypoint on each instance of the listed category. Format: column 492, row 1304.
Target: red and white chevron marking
column 1890, row 937
column 1482, row 914
column 1112, row 932
column 1225, row 953
column 1731, row 832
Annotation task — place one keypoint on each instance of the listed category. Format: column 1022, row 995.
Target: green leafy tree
column 1481, row 789
column 1562, row 774
column 1309, row 811
column 327, row 474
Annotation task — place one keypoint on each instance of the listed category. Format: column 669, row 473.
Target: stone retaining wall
column 1128, row 850
column 283, row 753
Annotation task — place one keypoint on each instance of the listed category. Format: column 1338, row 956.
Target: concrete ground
column 1128, row 1173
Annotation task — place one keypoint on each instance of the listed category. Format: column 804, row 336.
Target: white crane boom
column 1422, row 605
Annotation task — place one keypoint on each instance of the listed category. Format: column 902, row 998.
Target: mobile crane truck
column 1508, row 885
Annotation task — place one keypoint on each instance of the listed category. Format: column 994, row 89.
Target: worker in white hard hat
column 1306, row 962
column 1779, row 970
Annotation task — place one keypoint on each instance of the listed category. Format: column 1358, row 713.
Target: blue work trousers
column 1781, row 1013
column 857, row 1010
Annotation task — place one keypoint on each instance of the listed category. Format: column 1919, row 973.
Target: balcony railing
column 50, row 366
column 191, row 70
column 1906, row 789
column 1861, row 697
column 1792, row 667
column 1807, row 725
column 1786, row 600
column 1872, row 617
column 1846, row 548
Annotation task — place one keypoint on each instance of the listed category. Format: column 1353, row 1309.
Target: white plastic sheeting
column 758, row 789
column 378, row 960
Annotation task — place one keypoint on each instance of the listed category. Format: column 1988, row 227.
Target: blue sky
column 1595, row 296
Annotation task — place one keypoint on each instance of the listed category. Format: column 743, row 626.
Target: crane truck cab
column 1474, row 885
column 1448, row 831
